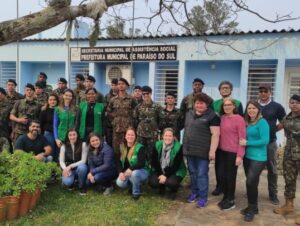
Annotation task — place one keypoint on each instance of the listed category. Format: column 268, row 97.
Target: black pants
column 218, row 170
column 253, row 170
column 228, row 171
column 172, row 182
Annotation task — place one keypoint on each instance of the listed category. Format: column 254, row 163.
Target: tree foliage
column 215, row 16
column 116, row 28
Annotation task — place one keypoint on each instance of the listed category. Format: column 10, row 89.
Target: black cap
column 80, row 77
column 171, row 93
column 2, row 91
column 198, row 80
column 295, row 97
column 40, row 85
column 12, row 81
column 137, row 87
column 114, row 81
column 91, row 78
column 124, row 80
column 43, row 74
column 63, row 80
column 30, row 86
column 147, row 89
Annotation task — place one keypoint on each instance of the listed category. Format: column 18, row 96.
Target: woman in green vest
column 168, row 167
column 64, row 116
column 133, row 167
column 91, row 115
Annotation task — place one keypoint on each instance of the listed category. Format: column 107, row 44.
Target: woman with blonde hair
column 133, row 168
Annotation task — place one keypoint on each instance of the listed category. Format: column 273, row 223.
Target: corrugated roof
column 173, row 35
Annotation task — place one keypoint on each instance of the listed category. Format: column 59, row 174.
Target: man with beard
column 34, row 142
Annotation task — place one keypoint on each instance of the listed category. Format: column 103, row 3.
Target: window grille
column 78, row 68
column 7, row 71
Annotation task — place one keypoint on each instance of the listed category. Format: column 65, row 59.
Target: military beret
column 80, row 77
column 264, row 86
column 43, row 74
column 295, row 97
column 91, row 78
column 147, row 89
column 198, row 80
column 63, row 80
column 30, row 86
column 12, row 81
column 41, row 85
column 171, row 93
column 137, row 87
column 114, row 81
column 2, row 91
column 124, row 80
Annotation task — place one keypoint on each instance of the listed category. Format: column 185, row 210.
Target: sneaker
column 191, row 198
column 82, row 191
column 221, row 203
column 249, row 216
column 201, row 203
column 108, row 190
column 217, row 192
column 274, row 200
column 228, row 205
column 244, row 211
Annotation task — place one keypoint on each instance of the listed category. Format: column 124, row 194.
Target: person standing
column 5, row 109
column 200, row 142
column 12, row 94
column 42, row 77
column 225, row 89
column 62, row 85
column 137, row 94
column 23, row 111
column 255, row 159
column 79, row 91
column 146, row 116
column 40, row 95
column 120, row 113
column 90, row 83
column 273, row 112
column 291, row 158
column 170, row 116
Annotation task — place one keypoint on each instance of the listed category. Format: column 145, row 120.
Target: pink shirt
column 232, row 129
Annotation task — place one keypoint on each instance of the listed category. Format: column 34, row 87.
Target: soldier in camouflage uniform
column 120, row 113
column 90, row 84
column 137, row 94
column 188, row 101
column 79, row 91
column 291, row 159
column 146, row 117
column 62, row 84
column 42, row 77
column 12, row 94
column 171, row 117
column 23, row 111
column 5, row 109
column 40, row 95
column 108, row 126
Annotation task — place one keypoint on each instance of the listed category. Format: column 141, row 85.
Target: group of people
column 128, row 139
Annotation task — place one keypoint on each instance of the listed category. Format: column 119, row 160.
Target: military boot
column 285, row 209
column 297, row 219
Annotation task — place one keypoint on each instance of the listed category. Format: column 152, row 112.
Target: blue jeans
column 50, row 138
column 136, row 178
column 198, row 169
column 80, row 173
column 103, row 178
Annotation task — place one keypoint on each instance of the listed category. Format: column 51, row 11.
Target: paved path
column 185, row 214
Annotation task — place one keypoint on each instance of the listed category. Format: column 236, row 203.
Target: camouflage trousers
column 148, row 144
column 117, row 139
column 291, row 169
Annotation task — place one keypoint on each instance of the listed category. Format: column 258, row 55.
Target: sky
column 247, row 22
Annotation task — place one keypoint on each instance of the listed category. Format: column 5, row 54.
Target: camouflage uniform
column 12, row 99
column 120, row 113
column 171, row 119
column 24, row 109
column 48, row 89
column 146, row 118
column 108, row 126
column 42, row 98
column 4, row 144
column 58, row 92
column 291, row 159
column 79, row 95
column 5, row 108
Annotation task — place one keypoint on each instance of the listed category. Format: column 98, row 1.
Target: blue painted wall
column 141, row 73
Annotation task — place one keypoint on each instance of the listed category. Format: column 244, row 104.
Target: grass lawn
column 58, row 206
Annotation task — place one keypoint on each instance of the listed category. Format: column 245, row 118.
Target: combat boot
column 285, row 209
column 297, row 219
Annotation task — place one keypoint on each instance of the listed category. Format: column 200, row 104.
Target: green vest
column 181, row 172
column 98, row 111
column 66, row 122
column 134, row 157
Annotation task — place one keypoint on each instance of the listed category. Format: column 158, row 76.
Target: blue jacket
column 103, row 161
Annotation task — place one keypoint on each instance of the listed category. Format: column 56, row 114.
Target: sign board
column 125, row 53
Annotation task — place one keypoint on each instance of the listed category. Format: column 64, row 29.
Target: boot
column 297, row 219
column 285, row 209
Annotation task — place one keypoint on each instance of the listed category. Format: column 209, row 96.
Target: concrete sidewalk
column 186, row 214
